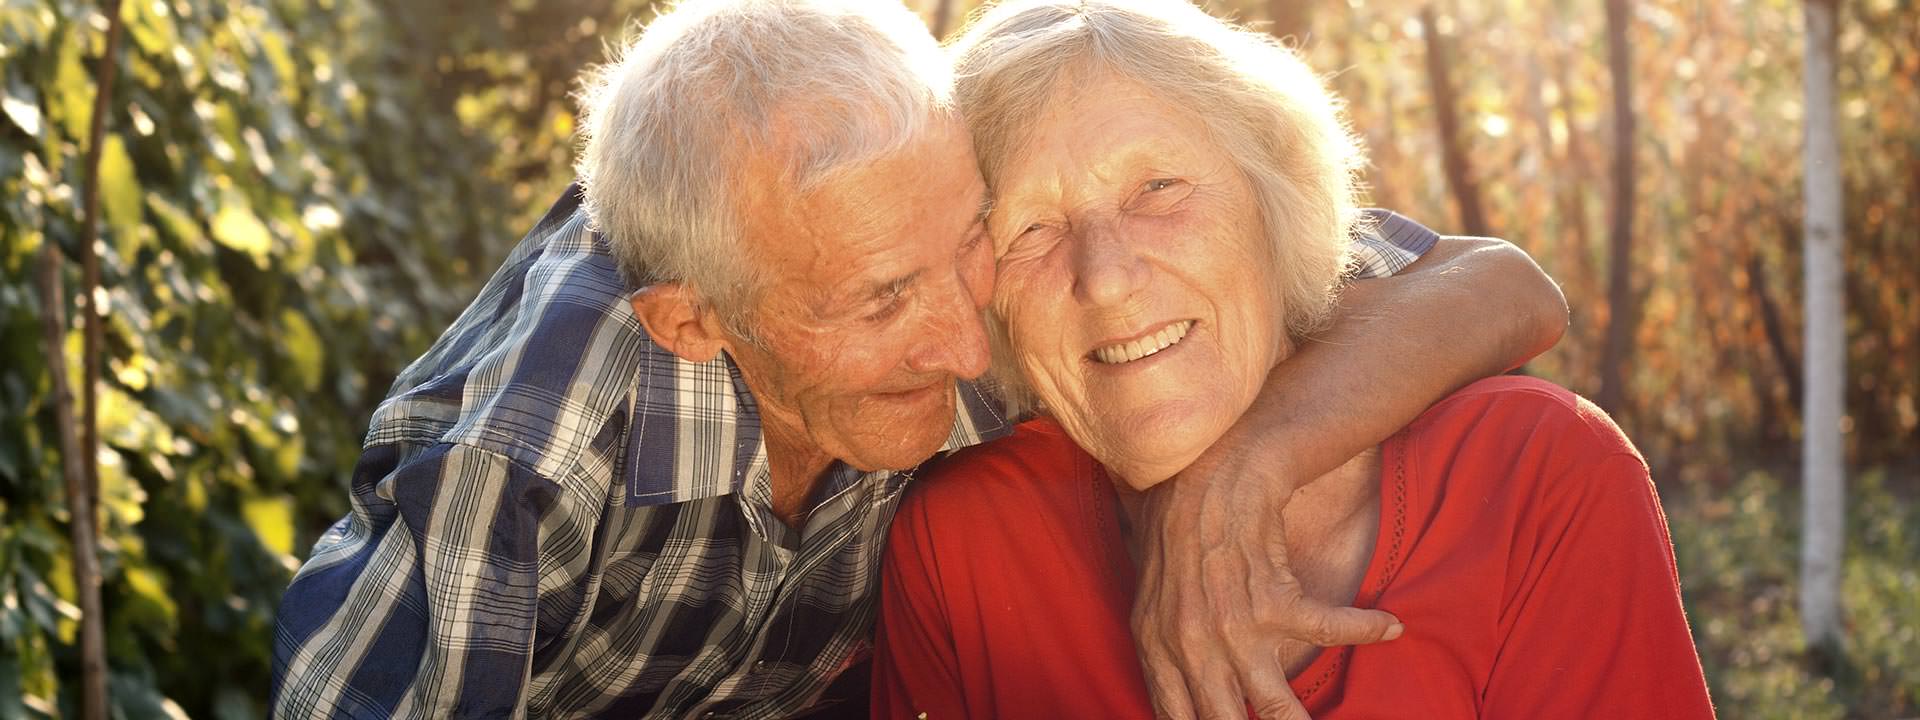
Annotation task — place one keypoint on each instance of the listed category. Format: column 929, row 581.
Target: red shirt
column 1521, row 543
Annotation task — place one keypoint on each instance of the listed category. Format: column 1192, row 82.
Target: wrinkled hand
column 1217, row 596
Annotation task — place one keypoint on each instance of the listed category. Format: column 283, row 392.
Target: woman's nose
column 1107, row 269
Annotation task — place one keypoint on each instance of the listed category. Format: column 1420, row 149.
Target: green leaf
column 151, row 25
column 273, row 48
column 303, row 349
column 150, row 589
column 235, row 226
column 120, row 495
column 181, row 225
column 272, row 521
column 120, row 194
column 72, row 89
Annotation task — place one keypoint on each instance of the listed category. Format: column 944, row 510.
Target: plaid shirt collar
column 696, row 431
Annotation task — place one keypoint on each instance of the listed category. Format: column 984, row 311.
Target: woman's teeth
column 1130, row 351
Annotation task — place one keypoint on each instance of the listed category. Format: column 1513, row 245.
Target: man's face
column 870, row 303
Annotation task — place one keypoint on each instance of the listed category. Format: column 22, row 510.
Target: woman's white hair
column 1259, row 102
column 670, row 125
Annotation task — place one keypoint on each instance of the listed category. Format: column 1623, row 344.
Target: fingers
column 1219, row 698
column 1331, row 626
column 1169, row 693
column 1268, row 693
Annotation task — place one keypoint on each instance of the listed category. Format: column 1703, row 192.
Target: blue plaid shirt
column 554, row 517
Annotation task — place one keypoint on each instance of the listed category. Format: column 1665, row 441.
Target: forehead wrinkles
column 865, row 225
column 1097, row 130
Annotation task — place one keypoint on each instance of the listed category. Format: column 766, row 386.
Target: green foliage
column 1737, row 548
column 293, row 208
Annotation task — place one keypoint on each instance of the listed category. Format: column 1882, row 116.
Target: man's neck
column 795, row 467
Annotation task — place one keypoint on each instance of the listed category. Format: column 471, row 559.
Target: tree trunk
column 1453, row 157
column 1775, row 327
column 1822, row 468
column 1620, row 300
column 941, row 12
column 1579, row 275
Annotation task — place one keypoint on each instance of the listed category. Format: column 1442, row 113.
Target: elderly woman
column 1174, row 201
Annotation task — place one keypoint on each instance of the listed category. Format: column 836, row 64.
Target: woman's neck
column 1331, row 525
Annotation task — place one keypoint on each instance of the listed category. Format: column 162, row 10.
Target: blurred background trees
column 298, row 196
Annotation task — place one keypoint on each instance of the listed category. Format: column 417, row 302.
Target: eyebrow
column 893, row 287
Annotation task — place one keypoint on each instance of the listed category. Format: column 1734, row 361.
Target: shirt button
column 759, row 665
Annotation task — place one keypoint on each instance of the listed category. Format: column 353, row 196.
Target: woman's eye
column 1159, row 195
column 1030, row 239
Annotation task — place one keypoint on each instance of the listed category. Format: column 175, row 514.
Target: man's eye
column 975, row 240
column 887, row 309
column 1158, row 184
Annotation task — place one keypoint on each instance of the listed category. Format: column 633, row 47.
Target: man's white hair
column 816, row 86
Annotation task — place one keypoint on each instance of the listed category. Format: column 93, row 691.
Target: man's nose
column 1106, row 269
column 954, row 340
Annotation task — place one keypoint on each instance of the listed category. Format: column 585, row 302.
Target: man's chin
column 901, row 430
column 901, row 453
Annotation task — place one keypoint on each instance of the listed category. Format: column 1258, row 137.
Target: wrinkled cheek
column 980, row 277
column 1059, row 393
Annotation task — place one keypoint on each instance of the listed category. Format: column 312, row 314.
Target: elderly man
column 647, row 472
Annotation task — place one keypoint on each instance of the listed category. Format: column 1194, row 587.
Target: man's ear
column 679, row 322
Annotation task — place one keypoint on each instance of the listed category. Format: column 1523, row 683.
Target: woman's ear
column 676, row 320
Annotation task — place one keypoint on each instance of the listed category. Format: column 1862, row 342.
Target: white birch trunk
column 1822, row 470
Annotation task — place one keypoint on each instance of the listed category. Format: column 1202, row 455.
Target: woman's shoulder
column 1512, row 414
column 1514, row 452
column 1037, row 448
column 1035, row 468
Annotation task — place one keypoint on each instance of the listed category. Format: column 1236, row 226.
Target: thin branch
column 1453, row 157
column 1622, row 307
column 86, row 562
column 89, row 259
column 82, row 459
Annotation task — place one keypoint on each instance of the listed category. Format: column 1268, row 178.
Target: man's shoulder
column 1386, row 242
column 538, row 363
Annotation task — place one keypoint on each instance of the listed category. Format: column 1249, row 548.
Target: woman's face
column 1134, row 278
